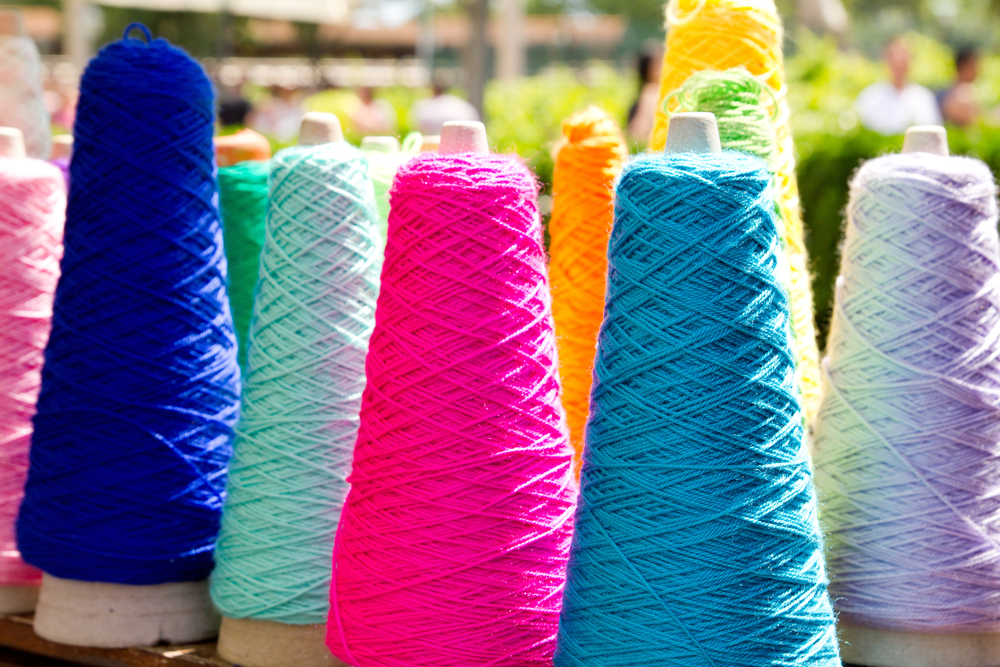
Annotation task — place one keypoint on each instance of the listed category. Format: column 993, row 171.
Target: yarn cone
column 382, row 167
column 742, row 106
column 314, row 314
column 697, row 541
column 587, row 160
column 23, row 104
column 453, row 541
column 32, row 213
column 908, row 437
column 243, row 146
column 243, row 207
column 720, row 35
column 140, row 388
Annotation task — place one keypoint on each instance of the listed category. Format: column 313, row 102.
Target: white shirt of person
column 431, row 114
column 887, row 110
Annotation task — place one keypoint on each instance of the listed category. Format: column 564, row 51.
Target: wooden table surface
column 21, row 647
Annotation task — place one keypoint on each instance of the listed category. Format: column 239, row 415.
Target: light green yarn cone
column 382, row 167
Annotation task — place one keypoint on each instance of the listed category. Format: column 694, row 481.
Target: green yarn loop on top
column 743, row 107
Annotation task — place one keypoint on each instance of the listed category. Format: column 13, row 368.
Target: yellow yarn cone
column 587, row 160
column 719, row 35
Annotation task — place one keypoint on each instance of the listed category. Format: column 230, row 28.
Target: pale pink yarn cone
column 32, row 214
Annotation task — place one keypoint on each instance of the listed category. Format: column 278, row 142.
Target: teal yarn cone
column 697, row 541
column 243, row 204
column 314, row 313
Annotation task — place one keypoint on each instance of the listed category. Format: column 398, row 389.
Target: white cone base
column 18, row 599
column 253, row 643
column 12, row 143
column 926, row 139
column 87, row 613
column 694, row 132
column 463, row 136
column 890, row 648
column 319, row 127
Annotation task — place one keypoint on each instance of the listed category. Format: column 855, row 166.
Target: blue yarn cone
column 140, row 388
column 697, row 541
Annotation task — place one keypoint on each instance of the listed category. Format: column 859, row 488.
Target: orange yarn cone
column 588, row 159
column 719, row 35
column 240, row 147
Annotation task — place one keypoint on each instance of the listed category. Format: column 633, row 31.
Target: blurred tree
column 635, row 10
column 476, row 52
column 551, row 6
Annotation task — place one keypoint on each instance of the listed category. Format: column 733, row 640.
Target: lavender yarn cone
column 908, row 434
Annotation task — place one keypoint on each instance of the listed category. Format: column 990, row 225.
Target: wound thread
column 453, row 541
column 588, row 158
column 744, row 109
column 32, row 214
column 720, row 35
column 140, row 387
column 697, row 541
column 243, row 207
column 382, row 168
column 314, row 314
column 908, row 437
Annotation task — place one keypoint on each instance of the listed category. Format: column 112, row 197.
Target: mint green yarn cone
column 314, row 313
column 243, row 204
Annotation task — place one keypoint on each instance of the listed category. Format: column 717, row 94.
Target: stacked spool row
column 697, row 513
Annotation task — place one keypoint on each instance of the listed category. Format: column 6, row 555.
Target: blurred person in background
column 233, row 107
column 889, row 107
column 958, row 103
column 431, row 114
column 279, row 117
column 60, row 102
column 643, row 112
column 373, row 116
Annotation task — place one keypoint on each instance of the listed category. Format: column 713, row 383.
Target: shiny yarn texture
column 382, row 168
column 23, row 106
column 908, row 437
column 452, row 546
column 315, row 311
column 720, row 35
column 32, row 213
column 697, row 541
column 588, row 158
column 140, row 387
column 243, row 206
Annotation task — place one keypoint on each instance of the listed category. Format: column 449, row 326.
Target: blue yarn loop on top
column 140, row 386
column 697, row 541
column 135, row 25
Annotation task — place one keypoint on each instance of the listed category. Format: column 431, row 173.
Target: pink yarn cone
column 32, row 214
column 453, row 543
